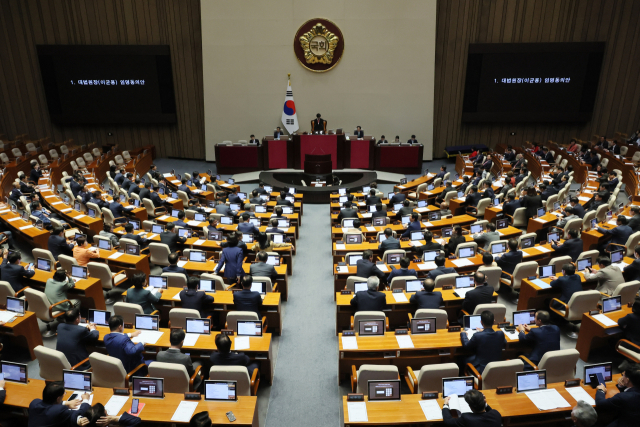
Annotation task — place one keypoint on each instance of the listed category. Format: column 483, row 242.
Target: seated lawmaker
column 608, row 276
column 427, row 298
column 173, row 259
column 128, row 230
column 568, row 284
column 120, row 346
column 73, row 339
column 632, row 271
column 225, row 357
column 486, row 344
column 406, row 209
column 372, row 199
column 413, row 140
column 246, row 299
column 359, row 133
column 371, row 299
column 630, row 324
column 145, row 298
column 347, row 212
column 397, row 197
column 97, row 416
column 403, row 270
column 619, row 234
column 414, row 225
column 625, row 405
column 382, row 140
column 262, row 269
column 481, row 294
column 12, row 272
column 194, row 299
column 53, row 411
column 571, row 247
column 175, row 355
column 546, row 337
column 58, row 244
column 481, row 413
column 440, row 268
column 389, row 242
column 513, row 257
column 484, row 239
column 367, row 268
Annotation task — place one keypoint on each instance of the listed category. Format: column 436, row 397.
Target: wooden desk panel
column 25, row 329
column 88, row 291
column 594, row 334
column 23, row 229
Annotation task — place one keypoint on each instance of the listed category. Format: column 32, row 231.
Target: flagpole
column 289, row 78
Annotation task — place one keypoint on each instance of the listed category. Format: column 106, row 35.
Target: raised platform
column 316, row 195
column 381, row 176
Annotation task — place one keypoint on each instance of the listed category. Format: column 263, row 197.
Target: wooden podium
column 317, row 164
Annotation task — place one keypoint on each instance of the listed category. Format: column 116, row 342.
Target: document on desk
column 440, row 241
column 6, row 316
column 349, row 343
column 543, row 249
column 175, row 181
column 462, row 262
column 344, row 230
column 578, row 393
column 584, row 199
column 357, row 412
column 604, row 320
column 190, row 340
column 512, row 335
column 169, row 199
column 541, row 284
column 116, row 255
column 415, row 243
column 372, row 229
column 24, row 227
column 462, row 292
column 383, row 267
column 14, row 219
column 193, row 223
column 199, row 242
column 148, row 337
column 400, row 297
column 176, row 297
column 340, row 247
column 428, row 224
column 241, row 343
column 182, row 263
column 184, row 411
column 431, row 409
column 166, row 175
column 115, row 404
column 367, row 215
column 343, row 269
column 548, row 399
column 151, row 236
column 164, row 217
column 621, row 265
column 404, row 341
column 540, row 220
column 429, row 265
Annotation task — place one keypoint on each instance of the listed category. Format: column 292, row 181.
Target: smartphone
column 596, row 379
column 230, row 416
column 134, row 406
column 73, row 396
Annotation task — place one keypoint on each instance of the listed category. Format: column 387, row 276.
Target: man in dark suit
column 486, row 344
column 383, row 140
column 487, row 163
column 254, row 140
column 546, row 337
column 482, row 415
column 429, row 244
column 128, row 182
column 145, row 193
column 120, row 176
column 367, row 268
column 390, row 242
column 278, row 133
column 619, row 234
column 379, row 213
column 414, row 225
column 509, row 207
column 372, row 199
column 53, row 411
column 572, row 246
column 171, row 239
column 397, row 198
column 347, row 212
column 597, row 201
column 153, row 172
column 482, row 294
column 413, row 140
column 234, row 198
column 175, row 355
column 75, row 186
column 319, row 124
column 283, row 200
column 116, row 209
column 274, row 227
column 568, row 283
column 546, row 191
column 404, row 210
column 403, row 270
column 173, row 266
column 440, row 268
column 578, row 209
column 625, row 404
column 473, row 197
column 255, row 198
column 180, row 222
column 261, row 268
column 120, row 346
column 128, row 229
column 246, row 226
column 225, row 210
column 548, row 157
column 509, row 154
column 508, row 261
column 73, row 339
column 631, row 324
column 260, row 189
column 224, row 356
column 634, row 221
column 135, row 187
column 246, row 299
column 183, row 187
column 58, row 244
column 488, row 192
column 359, row 133
column 441, row 173
column 35, row 173
column 632, row 271
column 11, row 271
column 427, row 298
column 96, row 197
column 193, row 298
column 371, row 299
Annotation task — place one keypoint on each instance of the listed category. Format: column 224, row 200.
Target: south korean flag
column 289, row 116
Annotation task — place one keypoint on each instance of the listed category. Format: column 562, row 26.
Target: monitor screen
column 524, row 317
column 292, row 190
column 430, row 187
column 533, row 380
column 413, row 285
column 380, row 220
column 496, row 201
column 464, row 282
column 175, row 212
column 456, row 385
column 553, row 236
column 430, row 255
column 77, row 380
column 255, row 221
column 476, row 228
column 393, row 258
column 99, row 317
column 226, row 220
column 406, row 219
column 260, row 287
column 466, row 252
column 136, row 225
column 215, row 235
column 200, row 217
column 397, row 206
column 366, row 189
column 157, row 229
column 447, row 231
column 277, row 238
column 372, row 208
column 435, row 216
column 460, row 194
column 617, row 256
column 198, row 326
column 287, row 210
column 104, row 244
column 541, row 212
column 78, row 272
column 472, row 322
column 243, row 196
column 146, row 322
column 132, row 249
column 261, row 209
column 220, row 390
column 360, row 287
column 43, row 264
column 371, row 327
column 353, row 259
column 268, row 188
column 285, row 223
column 611, row 304
column 498, row 248
column 353, row 238
column 207, row 285
column 197, row 256
column 234, row 206
column 158, row 282
column 347, row 223
column 583, row 263
column 247, row 238
column 423, row 326
column 342, row 199
column 148, row 387
column 390, row 195
column 384, row 390
column 422, row 203
column 15, row 305
column 184, row 232
column 16, row 372
column 603, row 370
column 252, row 328
column 527, row 242
column 546, row 270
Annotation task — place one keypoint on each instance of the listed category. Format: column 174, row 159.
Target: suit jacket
column 508, row 261
column 489, row 418
column 142, row 242
column 58, row 245
column 624, row 404
column 549, row 158
column 473, row 199
column 567, row 285
column 377, row 214
column 234, row 198
column 509, row 208
column 366, row 268
column 545, row 338
column 532, row 203
column 144, row 193
column 429, row 246
column 373, row 200
column 57, row 415
column 247, row 300
column 318, row 124
column 116, row 209
column 412, row 226
column 412, row 141
column 121, row 347
column 440, row 270
column 485, row 239
column 230, row 359
column 424, row 299
column 248, row 228
column 390, row 243
column 632, row 271
column 14, row 274
column 369, row 301
column 397, row 198
column 155, row 199
column 195, row 300
column 186, row 189
column 631, row 325
column 347, row 213
column 400, row 272
column 174, row 355
column 264, row 269
column 571, row 247
column 232, row 257
column 619, row 234
column 486, row 344
column 595, row 204
column 225, row 210
column 284, row 202
column 35, row 175
column 405, row 210
column 277, row 134
column 176, row 269
column 608, row 279
column 480, row 295
column 144, row 298
column 578, row 209
column 72, row 341
column 566, row 219
column 126, row 185
column 172, row 240
column 454, row 241
column 634, row 223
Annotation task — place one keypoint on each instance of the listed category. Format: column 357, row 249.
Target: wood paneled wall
column 27, row 23
column 460, row 22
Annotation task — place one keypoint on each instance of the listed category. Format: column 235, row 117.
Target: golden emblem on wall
column 318, row 45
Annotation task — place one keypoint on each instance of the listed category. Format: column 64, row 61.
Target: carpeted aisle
column 305, row 391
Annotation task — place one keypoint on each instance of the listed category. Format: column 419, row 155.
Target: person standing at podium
column 278, row 133
column 319, row 124
column 359, row 133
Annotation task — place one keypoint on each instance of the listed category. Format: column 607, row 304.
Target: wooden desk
column 23, row 229
column 24, row 329
column 412, row 185
column 130, row 263
column 594, row 334
column 88, row 291
column 546, row 221
column 154, row 411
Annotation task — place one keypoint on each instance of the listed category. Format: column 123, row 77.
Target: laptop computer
column 531, row 380
column 353, row 239
column 502, row 223
column 132, row 249
column 43, row 264
column 546, row 271
column 527, row 242
column 360, row 286
column 393, row 258
column 611, row 304
column 476, row 228
column 456, row 385
column 379, row 221
column 146, row 322
column 524, row 317
column 157, row 228
column 383, row 391
column 498, row 248
column 430, row 255
column 206, row 285
column 435, row 216
column 220, row 391
column 226, row 220
column 215, row 235
column 99, row 317
column 582, row 264
column 184, row 232
column 553, row 236
column 252, row 328
column 78, row 272
column 617, row 256
column 197, row 256
column 158, row 282
column 353, row 259
column 347, row 223
column 413, row 285
column 466, row 252
column 14, row 372
column 260, row 287
column 77, row 380
column 446, row 232
column 423, row 326
column 273, row 260
column 602, row 372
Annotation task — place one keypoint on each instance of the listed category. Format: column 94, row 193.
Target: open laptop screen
column 146, row 322
column 252, row 328
column 464, row 282
column 546, row 270
column 15, row 305
column 198, row 326
column 603, row 370
column 466, row 252
column 456, row 385
column 532, row 380
column 617, row 256
column 430, row 255
column 158, row 282
column 524, row 317
column 16, row 372
column 527, row 242
column 498, row 248
column 360, row 286
column 353, row 259
column 99, row 317
column 611, row 304
column 414, row 285
column 472, row 322
column 583, row 264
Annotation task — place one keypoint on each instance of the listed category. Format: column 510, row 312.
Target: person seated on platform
column 183, row 187
column 173, row 259
column 508, row 261
column 319, row 124
column 246, row 299
column 619, row 235
column 568, row 284
column 413, row 140
column 509, row 154
column 487, row 262
column 126, row 183
column 194, row 299
column 347, row 212
column 532, row 201
column 488, row 192
column 398, row 197
column 56, row 288
column 372, row 199
column 406, row 209
column 365, row 267
column 97, row 416
column 484, row 239
column 261, row 268
column 482, row 414
column 583, row 414
column 379, row 213
column 356, row 227
column 414, row 225
column 546, row 337
column 440, row 268
column 35, row 173
column 397, row 140
column 519, row 163
column 129, row 234
column 444, row 209
column 625, row 405
column 441, row 173
column 568, row 216
column 224, row 356
column 135, row 187
column 263, row 243
column 456, row 238
column 389, row 242
column 603, row 143
column 234, row 197
column 73, row 339
column 141, row 295
column 283, row 201
column 256, row 199
column 254, row 140
column 473, row 197
column 427, row 298
column 175, row 355
column 573, row 146
column 53, row 411
column 429, row 244
column 509, row 207
column 359, row 133
column 382, row 140
column 273, row 222
column 475, row 152
column 487, row 344
column 120, row 346
column 608, row 276
column 107, row 232
column 571, row 247
column 83, row 252
column 58, row 244
column 371, row 299
column 632, row 271
column 403, row 270
column 260, row 189
column 278, row 133
column 246, row 226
